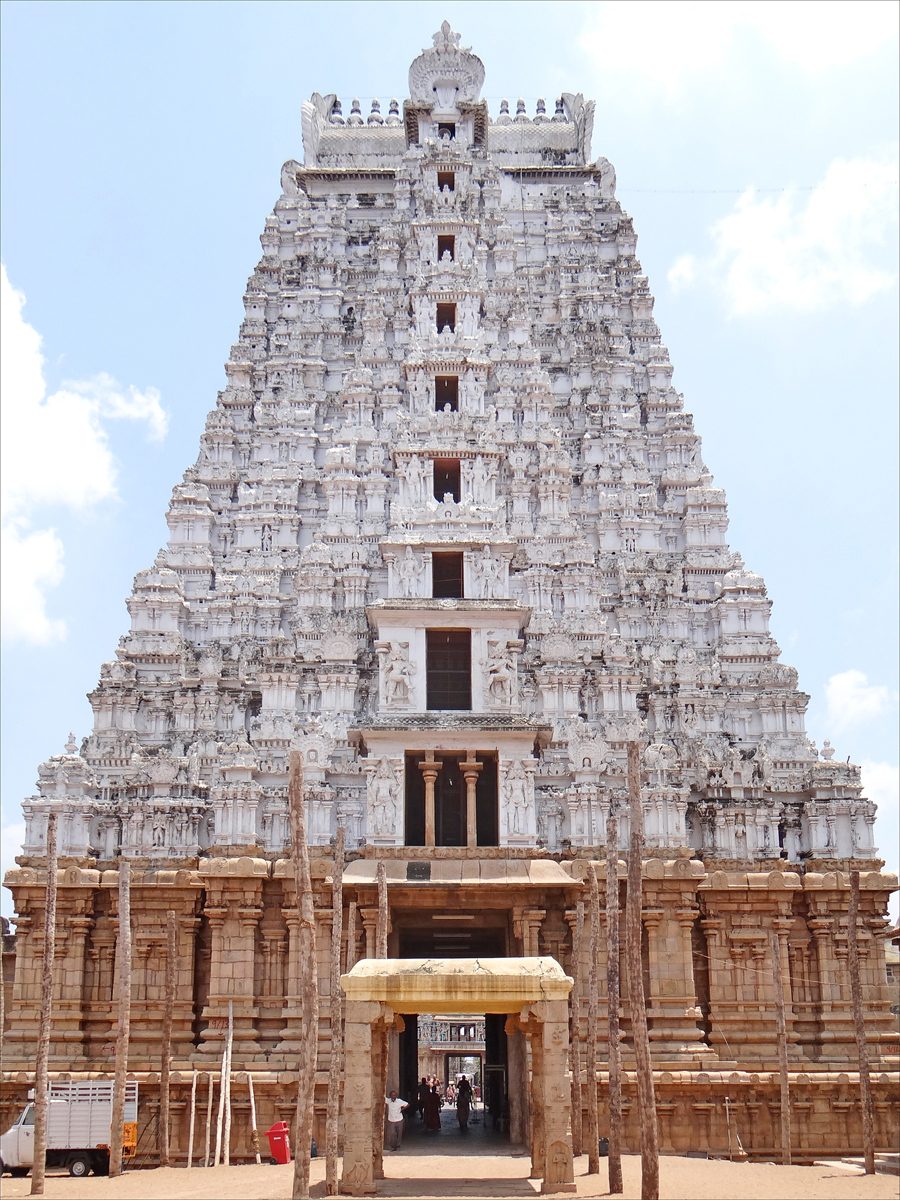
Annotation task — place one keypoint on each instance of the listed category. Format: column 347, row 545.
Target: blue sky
column 755, row 146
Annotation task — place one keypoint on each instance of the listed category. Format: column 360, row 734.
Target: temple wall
column 712, row 1032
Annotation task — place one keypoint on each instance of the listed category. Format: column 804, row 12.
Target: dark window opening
column 446, row 478
column 446, row 245
column 447, row 576
column 448, row 655
column 446, row 391
column 446, row 179
column 450, row 804
column 446, row 315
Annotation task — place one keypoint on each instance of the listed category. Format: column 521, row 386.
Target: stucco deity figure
column 383, row 793
column 550, row 817
column 500, row 671
column 488, row 572
column 482, row 474
column 408, row 574
column 413, row 476
column 515, row 793
column 398, row 672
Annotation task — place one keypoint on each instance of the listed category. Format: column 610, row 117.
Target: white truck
column 78, row 1127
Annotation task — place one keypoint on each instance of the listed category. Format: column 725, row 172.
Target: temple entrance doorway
column 523, row 1003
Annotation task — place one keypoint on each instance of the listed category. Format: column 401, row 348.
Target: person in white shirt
column 393, row 1126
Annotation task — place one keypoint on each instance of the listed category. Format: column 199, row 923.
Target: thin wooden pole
column 123, row 1031
column 633, row 906
column 614, row 1050
column 381, row 937
column 210, row 1076
column 337, row 1029
column 862, row 1048
column 381, row 929
column 220, row 1118
column 42, row 1065
column 166, row 1050
column 229, row 1047
column 254, row 1131
column 593, row 1118
column 781, row 1038
column 190, row 1154
column 351, row 936
column 309, row 976
column 575, row 1031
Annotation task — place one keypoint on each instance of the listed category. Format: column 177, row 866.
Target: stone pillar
column 470, row 769
column 517, row 1083
column 558, row 1172
column 527, row 926
column 292, row 1012
column 357, row 1178
column 370, row 925
column 673, row 1015
column 429, row 769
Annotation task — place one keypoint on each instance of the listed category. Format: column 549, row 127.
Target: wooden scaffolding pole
column 254, row 1128
column 337, row 1026
column 633, row 906
column 309, row 977
column 41, row 1067
column 381, row 936
column 575, row 1032
column 123, row 1030
column 591, row 1055
column 166, row 1049
column 614, row 1050
column 193, row 1120
column 226, row 1084
column 862, row 1048
column 351, row 936
column 211, row 1080
column 381, row 929
column 781, row 1038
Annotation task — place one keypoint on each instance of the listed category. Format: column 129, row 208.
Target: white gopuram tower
column 450, row 533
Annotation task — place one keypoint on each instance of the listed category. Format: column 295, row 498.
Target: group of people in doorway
column 429, row 1101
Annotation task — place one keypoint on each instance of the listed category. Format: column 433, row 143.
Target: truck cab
column 17, row 1144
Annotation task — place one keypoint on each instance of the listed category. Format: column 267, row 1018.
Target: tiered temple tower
column 450, row 533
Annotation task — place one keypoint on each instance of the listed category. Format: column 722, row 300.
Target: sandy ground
column 493, row 1176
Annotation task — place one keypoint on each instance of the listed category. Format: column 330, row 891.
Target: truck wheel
column 80, row 1166
column 19, row 1172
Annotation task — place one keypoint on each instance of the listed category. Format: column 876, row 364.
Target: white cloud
column 881, row 784
column 671, row 40
column 805, row 251
column 11, row 838
column 54, row 452
column 853, row 700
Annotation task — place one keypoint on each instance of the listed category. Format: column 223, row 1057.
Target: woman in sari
column 432, row 1110
column 463, row 1100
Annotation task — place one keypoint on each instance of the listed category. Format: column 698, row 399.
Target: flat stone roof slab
column 458, row 985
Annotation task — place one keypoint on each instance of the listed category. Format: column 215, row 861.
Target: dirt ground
column 494, row 1176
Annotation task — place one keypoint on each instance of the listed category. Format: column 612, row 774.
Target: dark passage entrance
column 450, row 801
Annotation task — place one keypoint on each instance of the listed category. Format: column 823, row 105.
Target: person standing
column 463, row 1102
column 433, row 1110
column 422, row 1096
column 393, row 1125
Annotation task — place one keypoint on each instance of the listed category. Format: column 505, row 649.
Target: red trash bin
column 279, row 1145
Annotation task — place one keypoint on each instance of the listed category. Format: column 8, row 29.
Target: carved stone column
column 429, row 769
column 470, row 768
column 357, row 1178
column 527, row 925
column 370, row 925
column 558, row 1173
column 234, row 907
